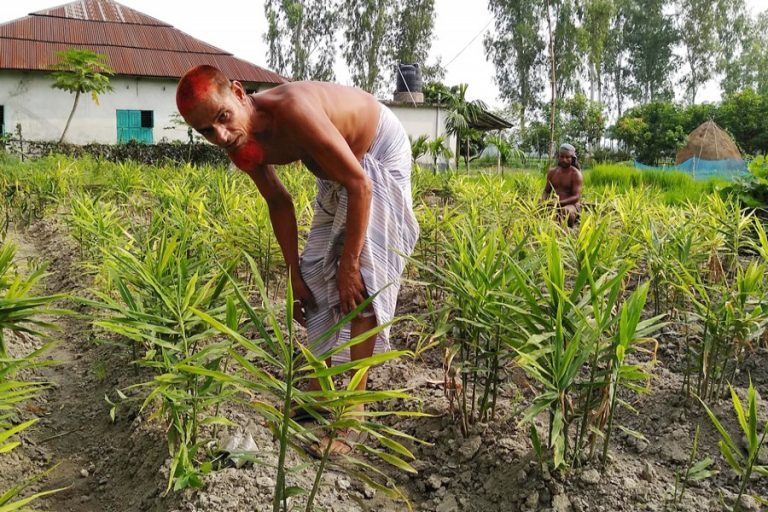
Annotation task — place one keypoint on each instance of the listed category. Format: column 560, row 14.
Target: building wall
column 426, row 120
column 28, row 99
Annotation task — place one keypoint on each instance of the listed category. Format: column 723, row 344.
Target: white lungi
column 392, row 231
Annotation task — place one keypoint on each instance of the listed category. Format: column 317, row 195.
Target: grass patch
column 673, row 187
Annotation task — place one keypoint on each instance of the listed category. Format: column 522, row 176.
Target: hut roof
column 709, row 142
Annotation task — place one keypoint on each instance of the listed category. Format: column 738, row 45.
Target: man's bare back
column 353, row 113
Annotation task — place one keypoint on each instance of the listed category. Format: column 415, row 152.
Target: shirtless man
column 363, row 214
column 566, row 181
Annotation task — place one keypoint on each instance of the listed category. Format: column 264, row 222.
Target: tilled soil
column 122, row 465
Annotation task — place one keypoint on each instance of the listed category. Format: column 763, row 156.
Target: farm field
column 148, row 360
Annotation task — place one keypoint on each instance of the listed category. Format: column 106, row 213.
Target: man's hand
column 350, row 285
column 303, row 301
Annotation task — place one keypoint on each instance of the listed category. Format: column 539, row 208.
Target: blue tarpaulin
column 703, row 169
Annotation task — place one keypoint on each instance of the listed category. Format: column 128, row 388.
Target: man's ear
column 238, row 90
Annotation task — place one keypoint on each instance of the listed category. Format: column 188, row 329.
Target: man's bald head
column 196, row 85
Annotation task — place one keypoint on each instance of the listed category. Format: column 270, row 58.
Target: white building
column 148, row 57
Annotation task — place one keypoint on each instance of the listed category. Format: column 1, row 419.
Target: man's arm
column 576, row 187
column 547, row 188
column 323, row 142
column 282, row 215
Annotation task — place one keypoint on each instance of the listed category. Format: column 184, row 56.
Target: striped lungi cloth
column 392, row 232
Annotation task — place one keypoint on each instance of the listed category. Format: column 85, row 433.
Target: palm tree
column 81, row 71
column 438, row 148
column 505, row 150
column 502, row 148
column 461, row 115
column 419, row 147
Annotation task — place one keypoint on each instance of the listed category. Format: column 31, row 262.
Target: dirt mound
column 709, row 142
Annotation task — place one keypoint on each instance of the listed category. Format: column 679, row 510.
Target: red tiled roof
column 135, row 44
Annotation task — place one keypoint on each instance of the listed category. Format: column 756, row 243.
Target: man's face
column 221, row 117
column 564, row 159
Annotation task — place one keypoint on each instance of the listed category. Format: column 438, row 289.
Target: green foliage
column 594, row 37
column 413, row 31
column 81, row 71
column 652, row 131
column 516, row 49
column 536, row 138
column 743, row 464
column 752, row 190
column 578, row 336
column 577, row 120
column 158, row 289
column 438, row 149
column 419, row 147
column 745, row 68
column 694, row 471
column 462, row 113
column 699, row 38
column 20, row 311
column 729, row 303
column 745, row 116
column 367, row 25
column 674, row 187
column 300, row 37
column 657, row 130
column 279, row 348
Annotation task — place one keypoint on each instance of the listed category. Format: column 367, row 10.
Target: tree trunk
column 466, row 157
column 553, row 88
column 69, row 119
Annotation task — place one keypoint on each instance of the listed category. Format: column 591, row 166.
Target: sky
column 237, row 26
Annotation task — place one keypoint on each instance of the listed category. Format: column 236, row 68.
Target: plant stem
column 319, row 474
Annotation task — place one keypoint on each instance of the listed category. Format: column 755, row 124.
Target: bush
column 752, row 189
column 148, row 154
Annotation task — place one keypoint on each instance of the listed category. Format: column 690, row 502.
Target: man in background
column 566, row 181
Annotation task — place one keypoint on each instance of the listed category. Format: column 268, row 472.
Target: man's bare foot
column 342, row 444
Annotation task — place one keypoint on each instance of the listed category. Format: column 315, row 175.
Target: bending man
column 363, row 214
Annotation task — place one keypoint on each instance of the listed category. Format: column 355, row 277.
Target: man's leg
column 572, row 213
column 361, row 324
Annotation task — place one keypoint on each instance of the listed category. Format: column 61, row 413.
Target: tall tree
column 516, row 49
column 754, row 58
column 413, row 31
column 698, row 35
column 732, row 26
column 616, row 57
column 568, row 57
column 81, row 71
column 597, row 21
column 300, row 37
column 650, row 38
column 368, row 41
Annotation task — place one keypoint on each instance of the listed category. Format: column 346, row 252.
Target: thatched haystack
column 709, row 142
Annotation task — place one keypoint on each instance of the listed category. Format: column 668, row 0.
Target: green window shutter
column 132, row 125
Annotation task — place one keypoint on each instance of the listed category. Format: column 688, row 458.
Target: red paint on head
column 193, row 89
column 248, row 156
